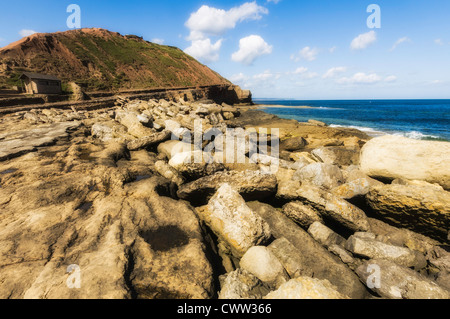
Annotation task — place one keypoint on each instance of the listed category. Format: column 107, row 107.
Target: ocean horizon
column 425, row 119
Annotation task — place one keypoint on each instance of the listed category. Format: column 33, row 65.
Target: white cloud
column 212, row 21
column 250, row 48
column 158, row 41
column 400, row 41
column 390, row 78
column 266, row 75
column 204, row 50
column 310, row 75
column 26, row 32
column 301, row 70
column 332, row 50
column 360, row 78
column 362, row 41
column 307, row 53
column 238, row 78
column 274, row 1
column 439, row 42
column 331, row 73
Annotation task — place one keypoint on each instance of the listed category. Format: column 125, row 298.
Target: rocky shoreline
column 334, row 215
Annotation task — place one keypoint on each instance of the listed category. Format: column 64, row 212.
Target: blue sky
column 321, row 49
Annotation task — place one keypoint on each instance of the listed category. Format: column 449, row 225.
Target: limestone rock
column 234, row 222
column 174, row 147
column 241, row 284
column 263, row 264
column 333, row 207
column 303, row 215
column 290, row 257
column 373, row 249
column 355, row 188
column 315, row 258
column 322, row 175
column 392, row 157
column 340, row 156
column 195, row 164
column 401, row 237
column 17, row 143
column 421, row 209
column 306, row 288
column 252, row 185
column 149, row 141
column 325, row 235
column 293, row 144
column 397, row 282
column 125, row 240
column 169, row 172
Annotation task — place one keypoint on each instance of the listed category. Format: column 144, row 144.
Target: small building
column 36, row 83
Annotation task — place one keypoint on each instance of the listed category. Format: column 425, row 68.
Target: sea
column 417, row 119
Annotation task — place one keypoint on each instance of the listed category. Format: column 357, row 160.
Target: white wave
column 416, row 135
column 370, row 131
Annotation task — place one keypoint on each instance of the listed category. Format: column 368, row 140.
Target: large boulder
column 340, row 156
column 195, row 164
column 314, row 258
column 234, row 222
column 261, row 262
column 391, row 157
column 293, row 144
column 392, row 281
column 422, row 209
column 241, row 284
column 373, row 249
column 252, row 185
column 328, row 205
column 302, row 214
column 322, row 175
column 306, row 288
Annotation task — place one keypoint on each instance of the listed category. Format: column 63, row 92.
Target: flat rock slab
column 392, row 281
column 421, row 209
column 392, row 157
column 15, row 144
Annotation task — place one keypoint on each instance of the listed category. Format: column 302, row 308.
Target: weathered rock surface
column 397, row 282
column 252, row 185
column 315, row 258
column 291, row 258
column 340, row 156
column 392, row 157
column 293, row 144
column 127, row 240
column 306, row 288
column 241, row 284
column 234, row 222
column 303, row 215
column 327, row 204
column 17, row 143
column 325, row 235
column 421, row 209
column 262, row 263
column 373, row 249
column 195, row 164
column 148, row 141
column 322, row 175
